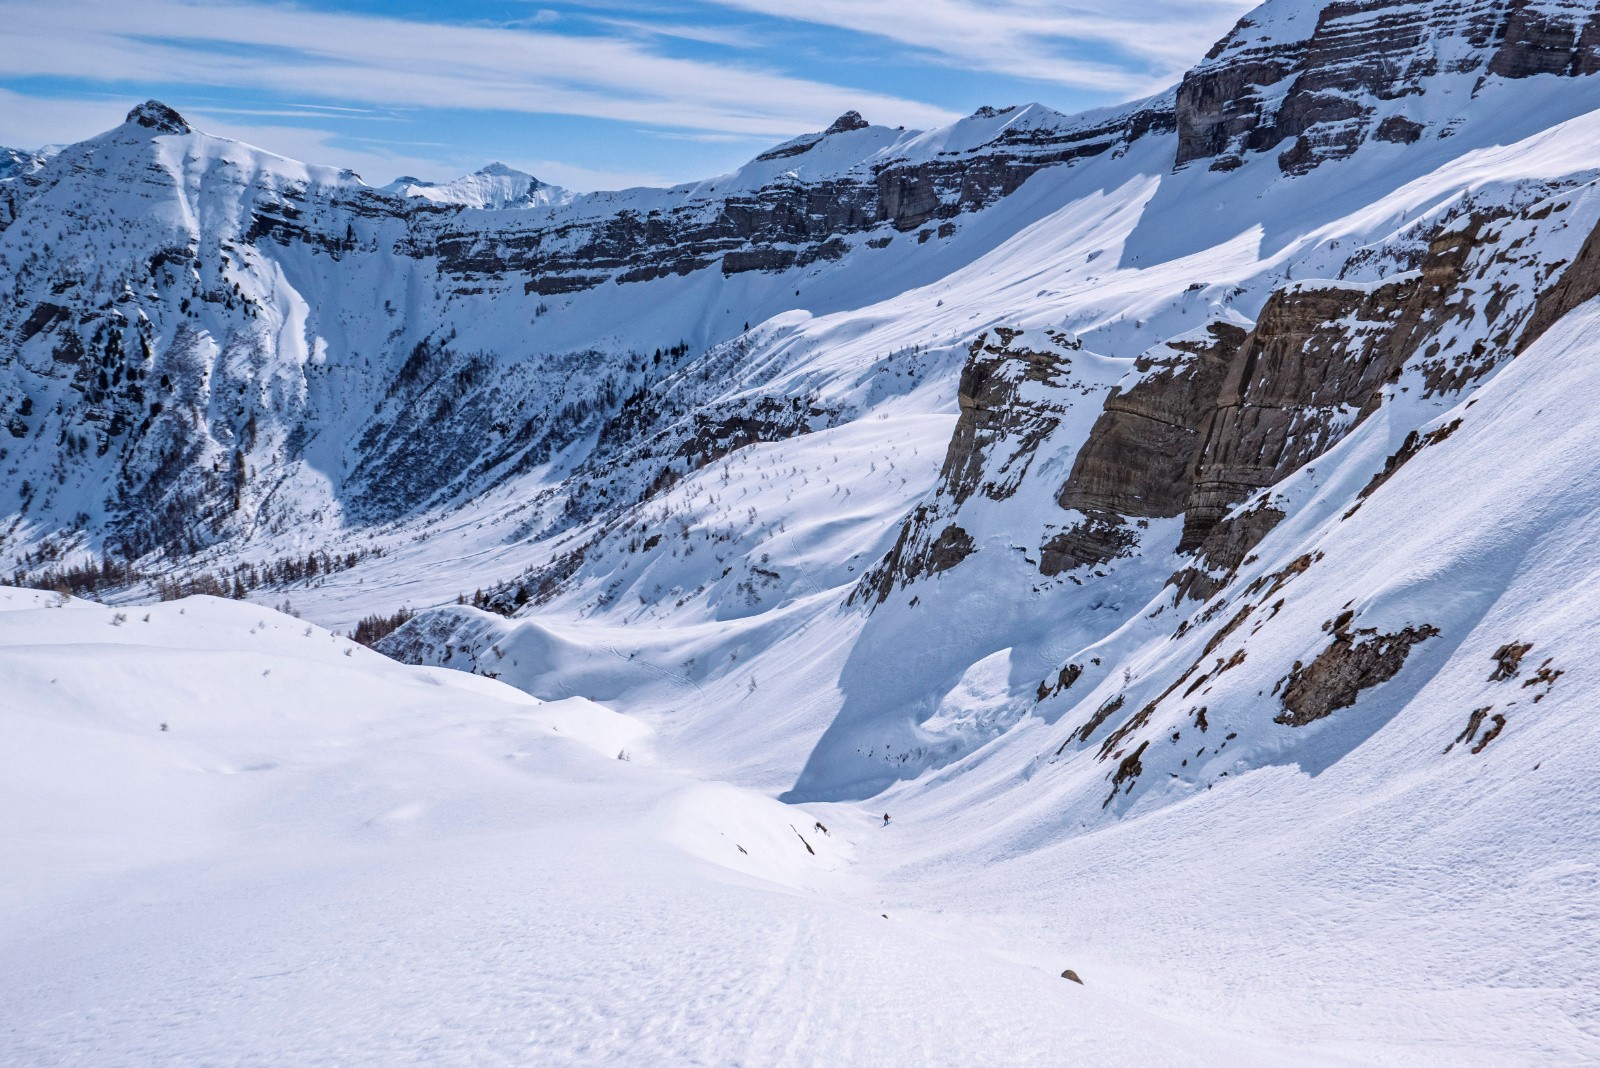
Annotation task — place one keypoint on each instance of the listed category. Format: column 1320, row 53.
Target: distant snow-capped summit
column 15, row 161
column 495, row 186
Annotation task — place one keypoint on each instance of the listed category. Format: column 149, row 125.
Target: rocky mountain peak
column 850, row 120
column 799, row 146
column 154, row 115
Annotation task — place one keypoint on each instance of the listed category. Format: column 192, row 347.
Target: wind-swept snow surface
column 231, row 836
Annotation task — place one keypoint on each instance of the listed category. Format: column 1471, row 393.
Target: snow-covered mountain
column 15, row 161
column 495, row 186
column 1175, row 514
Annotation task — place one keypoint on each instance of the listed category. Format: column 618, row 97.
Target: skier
column 886, row 819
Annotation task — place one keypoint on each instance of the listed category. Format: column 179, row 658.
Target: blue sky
column 583, row 94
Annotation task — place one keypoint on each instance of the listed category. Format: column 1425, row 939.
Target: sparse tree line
column 370, row 630
column 109, row 573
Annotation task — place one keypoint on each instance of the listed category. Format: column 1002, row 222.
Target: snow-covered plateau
column 807, row 613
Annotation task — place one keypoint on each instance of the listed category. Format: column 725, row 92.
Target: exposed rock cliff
column 1011, row 398
column 778, row 215
column 1140, row 456
column 1305, row 373
column 1321, row 80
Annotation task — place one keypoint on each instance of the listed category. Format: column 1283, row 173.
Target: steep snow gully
column 1099, row 589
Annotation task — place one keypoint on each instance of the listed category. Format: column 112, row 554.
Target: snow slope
column 331, row 858
column 1459, row 865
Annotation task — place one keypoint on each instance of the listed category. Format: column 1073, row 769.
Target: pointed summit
column 495, row 186
column 846, row 123
column 154, row 115
column 501, row 170
column 850, row 120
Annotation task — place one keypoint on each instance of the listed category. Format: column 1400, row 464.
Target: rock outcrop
column 1547, row 37
column 1349, row 76
column 1139, row 457
column 1355, row 661
column 1298, row 382
column 1579, row 283
column 1002, row 421
column 1320, row 353
column 154, row 115
column 1009, row 403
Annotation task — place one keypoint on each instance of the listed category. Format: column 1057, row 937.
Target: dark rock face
column 952, row 546
column 1224, row 550
column 1508, row 660
column 1442, row 299
column 998, row 416
column 1138, row 458
column 850, row 120
column 1346, row 80
column 1127, row 772
column 1314, row 366
column 914, row 557
column 154, row 115
column 1579, row 284
column 1110, row 708
column 1316, row 353
column 1009, row 404
column 1414, row 443
column 1099, row 538
column 1399, row 130
column 1354, row 662
column 1540, row 38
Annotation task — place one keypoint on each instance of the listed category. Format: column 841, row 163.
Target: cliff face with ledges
column 1315, row 83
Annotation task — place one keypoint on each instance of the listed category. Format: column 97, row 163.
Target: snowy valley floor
column 327, row 857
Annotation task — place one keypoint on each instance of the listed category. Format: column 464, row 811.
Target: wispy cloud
column 1134, row 48
column 30, row 122
column 389, row 61
column 680, row 86
column 725, row 36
